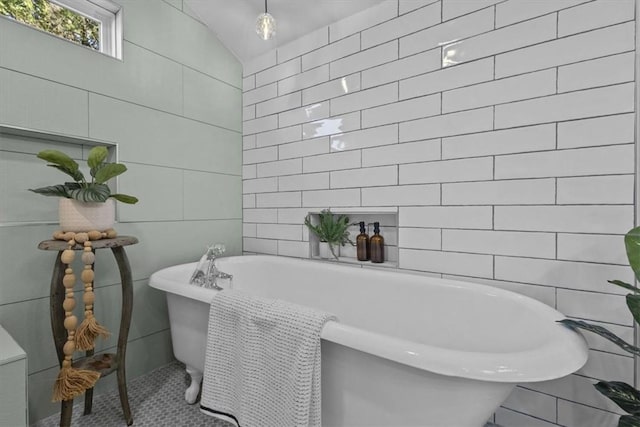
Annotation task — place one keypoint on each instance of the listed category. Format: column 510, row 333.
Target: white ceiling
column 233, row 21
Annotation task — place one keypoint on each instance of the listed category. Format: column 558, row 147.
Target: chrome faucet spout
column 213, row 274
column 207, row 274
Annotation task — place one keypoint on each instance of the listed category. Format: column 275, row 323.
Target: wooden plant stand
column 104, row 363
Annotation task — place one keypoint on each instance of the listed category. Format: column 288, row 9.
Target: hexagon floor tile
column 156, row 400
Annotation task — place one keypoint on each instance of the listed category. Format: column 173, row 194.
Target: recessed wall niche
column 21, row 170
column 388, row 220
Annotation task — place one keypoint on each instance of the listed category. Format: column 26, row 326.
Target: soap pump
column 377, row 244
column 362, row 244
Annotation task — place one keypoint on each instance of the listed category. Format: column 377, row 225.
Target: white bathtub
column 408, row 351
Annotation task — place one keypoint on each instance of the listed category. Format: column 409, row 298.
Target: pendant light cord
column 265, row 6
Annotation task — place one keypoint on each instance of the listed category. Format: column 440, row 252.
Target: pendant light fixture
column 265, row 24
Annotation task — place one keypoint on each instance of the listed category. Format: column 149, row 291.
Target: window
column 92, row 23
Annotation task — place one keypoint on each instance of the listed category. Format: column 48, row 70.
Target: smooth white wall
column 173, row 107
column 502, row 132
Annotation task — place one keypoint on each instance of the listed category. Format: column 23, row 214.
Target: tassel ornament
column 73, row 382
column 89, row 329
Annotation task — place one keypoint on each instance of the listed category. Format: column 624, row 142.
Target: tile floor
column 156, row 400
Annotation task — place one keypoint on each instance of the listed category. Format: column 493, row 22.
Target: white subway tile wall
column 501, row 133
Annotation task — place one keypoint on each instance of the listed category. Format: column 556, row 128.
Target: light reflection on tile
column 315, row 111
column 331, row 125
column 323, row 127
column 310, row 109
column 338, row 144
column 331, row 89
column 344, row 84
column 382, row 135
column 451, row 55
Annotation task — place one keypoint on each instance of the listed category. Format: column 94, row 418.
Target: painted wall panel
column 142, row 77
column 33, row 103
column 188, row 41
column 172, row 109
column 212, row 101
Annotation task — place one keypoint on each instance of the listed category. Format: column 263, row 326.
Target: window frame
column 108, row 14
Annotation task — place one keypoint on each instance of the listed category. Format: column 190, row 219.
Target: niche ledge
column 25, row 143
column 388, row 219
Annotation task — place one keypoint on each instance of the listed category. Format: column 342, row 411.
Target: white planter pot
column 325, row 252
column 79, row 216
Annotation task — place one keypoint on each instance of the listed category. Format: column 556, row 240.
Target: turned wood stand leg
column 57, row 295
column 88, row 395
column 65, row 413
column 88, row 401
column 125, row 323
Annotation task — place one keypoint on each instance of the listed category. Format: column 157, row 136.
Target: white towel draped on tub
column 262, row 365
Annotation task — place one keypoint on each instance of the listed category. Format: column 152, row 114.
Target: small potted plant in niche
column 331, row 230
column 85, row 205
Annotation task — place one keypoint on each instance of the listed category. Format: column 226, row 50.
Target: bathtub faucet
column 213, row 276
column 207, row 274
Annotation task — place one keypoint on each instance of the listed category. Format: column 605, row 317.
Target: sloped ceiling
column 233, row 21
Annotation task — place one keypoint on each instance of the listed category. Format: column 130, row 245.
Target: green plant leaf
column 633, row 302
column 53, row 190
column 625, row 396
column 62, row 162
column 603, row 332
column 632, row 244
column 94, row 193
column 331, row 228
column 624, row 285
column 97, row 155
column 124, row 198
column 73, row 185
column 629, row 421
column 77, row 175
column 108, row 171
column 331, row 248
column 314, row 228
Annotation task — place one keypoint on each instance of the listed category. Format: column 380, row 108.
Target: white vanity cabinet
column 13, row 382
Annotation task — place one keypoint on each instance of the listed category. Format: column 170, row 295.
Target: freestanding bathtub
column 408, row 350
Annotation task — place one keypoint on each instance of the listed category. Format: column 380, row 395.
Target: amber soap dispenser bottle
column 377, row 244
column 362, row 244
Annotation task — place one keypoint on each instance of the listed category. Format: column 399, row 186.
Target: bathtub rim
column 514, row 367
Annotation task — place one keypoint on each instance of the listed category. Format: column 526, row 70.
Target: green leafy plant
column 331, row 228
column 94, row 191
column 624, row 395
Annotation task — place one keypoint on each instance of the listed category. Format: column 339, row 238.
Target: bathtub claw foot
column 191, row 394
